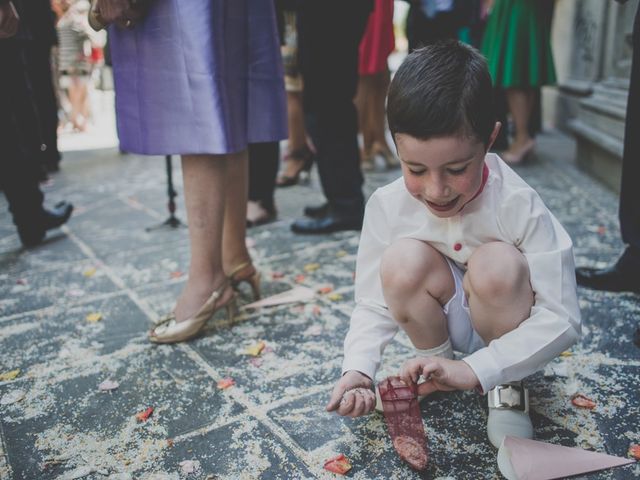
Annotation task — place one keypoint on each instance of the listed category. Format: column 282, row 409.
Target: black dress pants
column 263, row 169
column 630, row 190
column 329, row 35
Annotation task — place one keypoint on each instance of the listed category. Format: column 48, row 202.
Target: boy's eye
column 417, row 172
column 457, row 171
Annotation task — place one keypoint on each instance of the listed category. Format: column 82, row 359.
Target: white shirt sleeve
column 372, row 326
column 554, row 323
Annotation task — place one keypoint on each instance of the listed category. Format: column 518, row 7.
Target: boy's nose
column 438, row 191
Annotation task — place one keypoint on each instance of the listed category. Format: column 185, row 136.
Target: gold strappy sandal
column 168, row 330
column 253, row 280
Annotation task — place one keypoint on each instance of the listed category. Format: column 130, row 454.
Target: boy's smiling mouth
column 442, row 207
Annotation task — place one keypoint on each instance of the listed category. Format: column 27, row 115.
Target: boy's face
column 443, row 173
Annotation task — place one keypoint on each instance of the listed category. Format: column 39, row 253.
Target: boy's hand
column 352, row 396
column 439, row 373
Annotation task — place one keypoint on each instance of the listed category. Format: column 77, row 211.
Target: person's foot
column 195, row 294
column 326, row 224
column 32, row 234
column 258, row 215
column 623, row 276
column 316, row 211
column 518, row 151
column 390, row 160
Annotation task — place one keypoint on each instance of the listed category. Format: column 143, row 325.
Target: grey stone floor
column 272, row 423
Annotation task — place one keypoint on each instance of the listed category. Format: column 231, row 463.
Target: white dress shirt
column 507, row 210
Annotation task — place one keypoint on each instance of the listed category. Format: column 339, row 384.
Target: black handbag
column 125, row 13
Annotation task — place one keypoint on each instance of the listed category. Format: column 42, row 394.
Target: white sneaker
column 508, row 413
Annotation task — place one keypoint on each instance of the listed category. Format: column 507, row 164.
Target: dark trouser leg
column 18, row 141
column 40, row 74
column 263, row 169
column 629, row 192
column 330, row 34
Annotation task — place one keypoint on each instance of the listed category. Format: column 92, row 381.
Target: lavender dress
column 199, row 76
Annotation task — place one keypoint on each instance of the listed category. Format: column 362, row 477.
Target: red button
column 457, row 247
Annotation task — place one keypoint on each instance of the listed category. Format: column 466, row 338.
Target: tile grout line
column 256, row 410
column 88, row 251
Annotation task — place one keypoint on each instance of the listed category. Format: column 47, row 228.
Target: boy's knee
column 497, row 269
column 408, row 266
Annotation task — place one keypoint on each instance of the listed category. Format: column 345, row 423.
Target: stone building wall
column 591, row 42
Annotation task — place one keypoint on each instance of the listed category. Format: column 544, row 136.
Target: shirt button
column 457, row 247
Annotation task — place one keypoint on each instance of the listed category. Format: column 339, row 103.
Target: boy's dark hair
column 442, row 89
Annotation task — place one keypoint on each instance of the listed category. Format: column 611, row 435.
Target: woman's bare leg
column 520, row 103
column 205, row 188
column 234, row 245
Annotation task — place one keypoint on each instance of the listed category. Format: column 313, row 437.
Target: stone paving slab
column 271, row 424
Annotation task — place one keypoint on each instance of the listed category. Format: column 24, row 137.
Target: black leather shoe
column 327, row 224
column 31, row 235
column 317, row 211
column 612, row 279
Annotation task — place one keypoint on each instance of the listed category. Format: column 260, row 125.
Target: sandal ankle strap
column 237, row 269
column 509, row 396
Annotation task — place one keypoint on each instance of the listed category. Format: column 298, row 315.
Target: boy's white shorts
column 461, row 332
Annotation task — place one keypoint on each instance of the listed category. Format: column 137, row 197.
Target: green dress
column 517, row 46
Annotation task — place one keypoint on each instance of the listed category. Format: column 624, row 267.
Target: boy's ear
column 494, row 135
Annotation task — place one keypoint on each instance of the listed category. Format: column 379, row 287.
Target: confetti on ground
column 566, row 353
column 256, row 349
column 256, row 362
column 12, row 397
column 300, row 278
column 316, row 310
column 226, row 383
column 94, row 317
column 144, row 415
column 341, row 253
column 189, row 466
column 170, row 442
column 634, row 451
column 581, row 401
column 334, row 297
column 21, row 281
column 339, row 464
column 313, row 330
column 9, row 375
column 311, row 267
column 89, row 272
column 602, row 230
column 325, row 289
column 176, row 274
column 277, row 275
column 108, row 385
column 76, row 292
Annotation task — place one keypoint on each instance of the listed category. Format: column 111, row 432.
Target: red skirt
column 378, row 40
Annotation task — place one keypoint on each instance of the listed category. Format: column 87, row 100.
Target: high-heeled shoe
column 252, row 279
column 169, row 330
column 304, row 158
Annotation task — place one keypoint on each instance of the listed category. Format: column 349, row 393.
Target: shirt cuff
column 486, row 368
column 361, row 364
